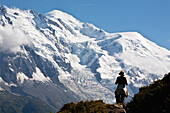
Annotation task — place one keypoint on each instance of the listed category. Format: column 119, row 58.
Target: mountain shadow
column 10, row 103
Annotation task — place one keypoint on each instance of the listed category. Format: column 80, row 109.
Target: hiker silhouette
column 120, row 93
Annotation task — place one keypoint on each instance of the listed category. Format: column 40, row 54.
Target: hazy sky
column 151, row 18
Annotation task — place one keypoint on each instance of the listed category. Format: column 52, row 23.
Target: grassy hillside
column 10, row 103
column 154, row 98
column 91, row 107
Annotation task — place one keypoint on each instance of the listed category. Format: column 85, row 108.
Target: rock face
column 118, row 109
column 58, row 59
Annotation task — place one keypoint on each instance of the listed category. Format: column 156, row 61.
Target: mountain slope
column 58, row 59
column 18, row 104
column 154, row 98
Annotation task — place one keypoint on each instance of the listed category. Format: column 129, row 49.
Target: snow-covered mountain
column 59, row 59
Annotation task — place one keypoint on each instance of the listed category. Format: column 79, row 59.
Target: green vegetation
column 87, row 107
column 154, row 98
column 10, row 103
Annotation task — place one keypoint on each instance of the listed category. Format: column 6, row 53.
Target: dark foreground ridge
column 10, row 103
column 154, row 98
column 91, row 107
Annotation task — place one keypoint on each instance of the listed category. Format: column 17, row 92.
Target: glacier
column 58, row 59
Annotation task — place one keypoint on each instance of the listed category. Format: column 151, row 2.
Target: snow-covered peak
column 84, row 28
column 143, row 53
column 59, row 14
column 58, row 48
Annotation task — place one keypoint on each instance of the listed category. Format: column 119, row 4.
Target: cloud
column 11, row 39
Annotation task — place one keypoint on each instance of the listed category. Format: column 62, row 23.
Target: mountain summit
column 58, row 59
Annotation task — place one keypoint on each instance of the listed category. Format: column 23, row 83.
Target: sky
column 151, row 18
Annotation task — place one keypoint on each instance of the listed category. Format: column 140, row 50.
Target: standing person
column 120, row 92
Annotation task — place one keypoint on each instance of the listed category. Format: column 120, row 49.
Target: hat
column 122, row 73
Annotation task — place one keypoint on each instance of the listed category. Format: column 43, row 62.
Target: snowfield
column 57, row 53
